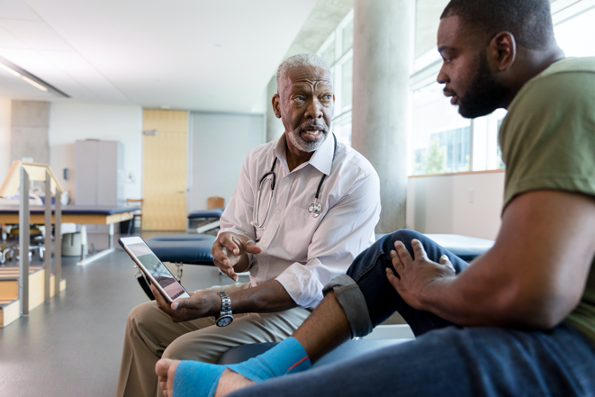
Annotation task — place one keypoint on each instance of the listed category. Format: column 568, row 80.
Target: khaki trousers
column 151, row 334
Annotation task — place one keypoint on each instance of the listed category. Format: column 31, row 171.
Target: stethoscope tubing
column 314, row 208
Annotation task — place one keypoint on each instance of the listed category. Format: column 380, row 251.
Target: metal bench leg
column 180, row 267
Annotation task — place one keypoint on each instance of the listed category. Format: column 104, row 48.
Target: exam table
column 79, row 214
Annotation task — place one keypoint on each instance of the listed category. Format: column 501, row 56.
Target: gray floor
column 71, row 345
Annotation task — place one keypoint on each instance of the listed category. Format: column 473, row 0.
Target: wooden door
column 164, row 170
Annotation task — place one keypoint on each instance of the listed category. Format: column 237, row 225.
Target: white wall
column 70, row 122
column 466, row 204
column 5, row 110
column 219, row 144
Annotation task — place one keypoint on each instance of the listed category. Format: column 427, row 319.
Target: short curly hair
column 530, row 21
column 300, row 60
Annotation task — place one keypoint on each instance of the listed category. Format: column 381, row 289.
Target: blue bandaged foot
column 197, row 379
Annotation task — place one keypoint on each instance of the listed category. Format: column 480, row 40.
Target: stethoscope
column 315, row 208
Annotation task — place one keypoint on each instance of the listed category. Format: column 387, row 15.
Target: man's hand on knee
column 200, row 304
column 414, row 275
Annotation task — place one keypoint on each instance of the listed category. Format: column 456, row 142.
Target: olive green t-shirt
column 548, row 143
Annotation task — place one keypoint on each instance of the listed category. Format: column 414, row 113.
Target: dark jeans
column 449, row 360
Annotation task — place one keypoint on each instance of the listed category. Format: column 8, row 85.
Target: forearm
column 266, row 298
column 479, row 298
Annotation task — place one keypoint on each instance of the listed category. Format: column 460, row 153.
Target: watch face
column 224, row 321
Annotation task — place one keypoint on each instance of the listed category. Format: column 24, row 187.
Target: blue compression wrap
column 197, row 379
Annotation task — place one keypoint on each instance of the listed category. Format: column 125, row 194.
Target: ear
column 277, row 105
column 503, row 49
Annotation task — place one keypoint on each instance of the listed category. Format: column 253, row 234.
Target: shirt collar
column 322, row 159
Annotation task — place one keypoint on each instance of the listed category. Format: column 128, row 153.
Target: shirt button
column 286, row 178
column 277, row 211
column 264, row 242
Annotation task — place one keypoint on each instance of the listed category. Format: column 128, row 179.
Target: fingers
column 403, row 254
column 397, row 264
column 446, row 262
column 231, row 242
column 393, row 279
column 161, row 302
column 218, row 255
column 418, row 249
column 252, row 248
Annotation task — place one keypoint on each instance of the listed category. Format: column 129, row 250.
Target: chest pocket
column 300, row 213
column 297, row 230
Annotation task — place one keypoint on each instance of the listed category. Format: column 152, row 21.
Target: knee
column 405, row 235
column 140, row 316
column 183, row 348
column 174, row 350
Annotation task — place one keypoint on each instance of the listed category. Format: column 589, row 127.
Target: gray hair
column 300, row 60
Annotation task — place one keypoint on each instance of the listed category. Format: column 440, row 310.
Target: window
column 439, row 144
column 337, row 51
column 442, row 141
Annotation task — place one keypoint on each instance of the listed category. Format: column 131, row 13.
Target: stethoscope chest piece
column 315, row 209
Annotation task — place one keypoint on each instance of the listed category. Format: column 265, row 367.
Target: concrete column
column 383, row 45
column 30, row 131
column 274, row 125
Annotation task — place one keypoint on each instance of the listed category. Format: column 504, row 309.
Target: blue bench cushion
column 214, row 213
column 183, row 248
column 349, row 349
column 465, row 247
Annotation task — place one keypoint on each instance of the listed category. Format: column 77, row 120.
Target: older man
column 518, row 321
column 305, row 206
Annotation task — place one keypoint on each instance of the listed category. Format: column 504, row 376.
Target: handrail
column 36, row 172
column 18, row 180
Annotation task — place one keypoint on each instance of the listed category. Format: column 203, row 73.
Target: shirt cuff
column 302, row 285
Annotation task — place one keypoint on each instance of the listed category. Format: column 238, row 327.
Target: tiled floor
column 71, row 345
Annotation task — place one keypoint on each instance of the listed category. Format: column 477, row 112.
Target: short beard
column 307, row 147
column 485, row 92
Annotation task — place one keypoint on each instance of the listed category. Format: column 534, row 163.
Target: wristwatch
column 225, row 318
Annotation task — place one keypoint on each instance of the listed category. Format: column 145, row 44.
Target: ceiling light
column 9, row 70
column 33, row 83
column 29, row 78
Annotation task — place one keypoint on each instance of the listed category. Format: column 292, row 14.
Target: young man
column 305, row 206
column 520, row 320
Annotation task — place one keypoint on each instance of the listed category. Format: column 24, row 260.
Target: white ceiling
column 215, row 55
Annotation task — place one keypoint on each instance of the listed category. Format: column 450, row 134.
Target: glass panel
column 347, row 35
column 329, row 53
column 342, row 128
column 440, row 140
column 486, row 151
column 576, row 36
column 347, row 84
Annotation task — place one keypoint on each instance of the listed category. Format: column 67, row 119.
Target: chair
column 215, row 202
column 137, row 214
column 36, row 243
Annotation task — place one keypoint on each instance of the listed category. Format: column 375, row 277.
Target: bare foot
column 231, row 381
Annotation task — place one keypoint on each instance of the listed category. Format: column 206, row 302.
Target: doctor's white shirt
column 304, row 253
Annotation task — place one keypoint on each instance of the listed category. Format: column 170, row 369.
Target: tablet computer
column 158, row 274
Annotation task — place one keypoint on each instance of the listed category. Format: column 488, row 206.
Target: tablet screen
column 157, row 269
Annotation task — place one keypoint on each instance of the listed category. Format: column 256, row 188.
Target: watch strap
column 225, row 304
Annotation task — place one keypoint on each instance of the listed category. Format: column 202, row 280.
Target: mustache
column 313, row 125
column 448, row 92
